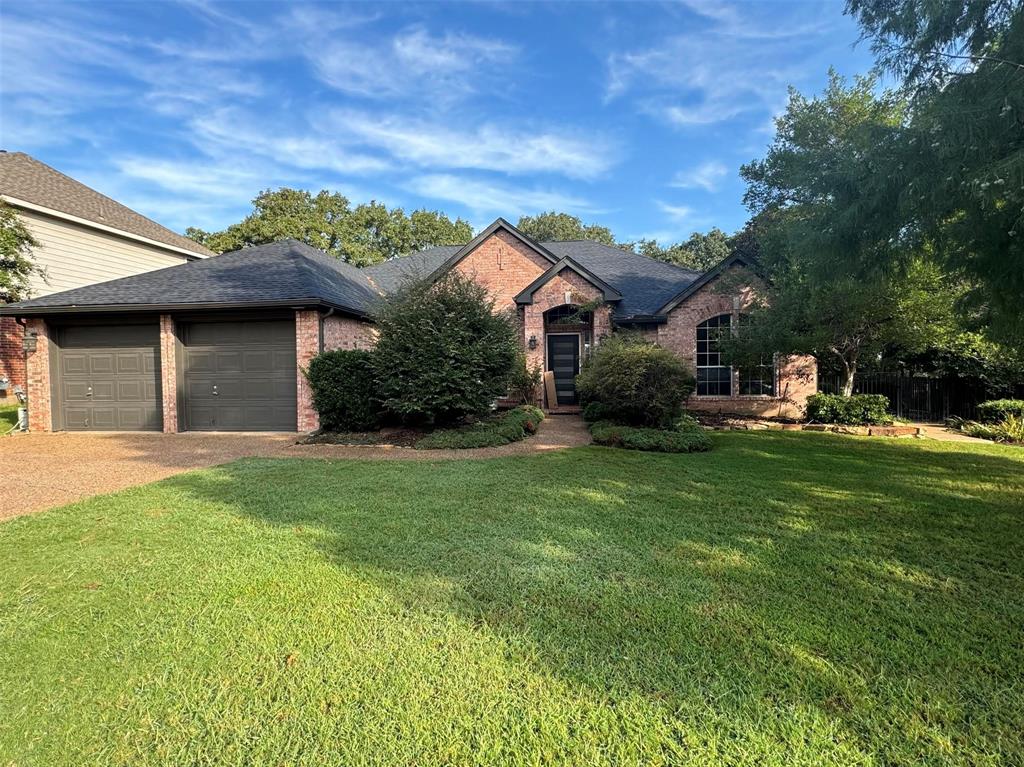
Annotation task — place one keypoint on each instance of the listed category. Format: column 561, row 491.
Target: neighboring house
column 84, row 238
column 220, row 344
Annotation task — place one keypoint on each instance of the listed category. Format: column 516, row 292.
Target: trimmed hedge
column 344, row 388
column 856, row 410
column 635, row 382
column 688, row 440
column 997, row 410
column 511, row 426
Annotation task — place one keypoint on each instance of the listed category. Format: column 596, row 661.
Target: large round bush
column 345, row 390
column 443, row 353
column 635, row 382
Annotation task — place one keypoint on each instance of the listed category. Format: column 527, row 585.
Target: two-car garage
column 230, row 376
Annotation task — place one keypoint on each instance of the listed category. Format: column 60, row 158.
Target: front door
column 564, row 362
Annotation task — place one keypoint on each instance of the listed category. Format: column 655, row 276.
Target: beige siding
column 74, row 255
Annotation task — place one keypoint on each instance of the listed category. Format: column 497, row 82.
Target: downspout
column 24, row 357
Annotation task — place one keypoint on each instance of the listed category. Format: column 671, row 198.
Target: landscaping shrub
column 443, row 353
column 1010, row 429
column 344, row 388
column 855, row 410
column 635, row 381
column 524, row 381
column 687, row 440
column 596, row 411
column 996, row 410
column 511, row 426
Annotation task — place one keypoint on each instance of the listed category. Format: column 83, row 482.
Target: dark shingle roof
column 281, row 273
column 25, row 178
column 645, row 283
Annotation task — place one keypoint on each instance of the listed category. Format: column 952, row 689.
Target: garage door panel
column 109, row 377
column 252, row 366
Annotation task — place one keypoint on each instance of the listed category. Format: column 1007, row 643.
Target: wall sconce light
column 532, row 343
column 28, row 343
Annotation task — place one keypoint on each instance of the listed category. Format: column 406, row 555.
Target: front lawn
column 8, row 417
column 786, row 599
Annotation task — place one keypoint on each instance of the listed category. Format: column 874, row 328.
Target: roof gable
column 608, row 293
column 704, row 279
column 498, row 225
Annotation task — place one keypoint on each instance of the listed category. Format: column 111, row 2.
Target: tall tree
column 702, row 251
column 367, row 234
column 17, row 267
column 959, row 171
column 550, row 226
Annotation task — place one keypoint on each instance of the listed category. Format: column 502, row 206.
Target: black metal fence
column 916, row 398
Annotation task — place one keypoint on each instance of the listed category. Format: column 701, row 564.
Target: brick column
column 12, row 355
column 169, row 373
column 38, row 374
column 307, row 346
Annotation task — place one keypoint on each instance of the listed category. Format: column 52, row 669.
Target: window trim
column 703, row 325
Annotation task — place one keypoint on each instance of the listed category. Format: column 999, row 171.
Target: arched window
column 713, row 378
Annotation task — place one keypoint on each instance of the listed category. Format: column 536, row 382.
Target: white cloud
column 706, row 176
column 678, row 213
column 486, row 147
column 489, row 197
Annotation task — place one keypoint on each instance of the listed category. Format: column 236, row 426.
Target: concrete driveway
column 44, row 470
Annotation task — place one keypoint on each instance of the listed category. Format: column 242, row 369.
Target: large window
column 758, row 380
column 713, row 378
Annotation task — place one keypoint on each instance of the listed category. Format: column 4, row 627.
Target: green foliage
column 1008, row 429
column 700, row 252
column 524, row 382
column 638, row 382
column 510, row 426
column 443, row 353
column 686, row 440
column 597, row 411
column 551, row 226
column 345, row 388
column 1000, row 409
column 17, row 266
column 367, row 234
column 854, row 410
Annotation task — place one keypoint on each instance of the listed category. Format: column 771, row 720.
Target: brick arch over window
column 713, row 378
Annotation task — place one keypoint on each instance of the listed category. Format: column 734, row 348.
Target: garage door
column 239, row 376
column 109, row 378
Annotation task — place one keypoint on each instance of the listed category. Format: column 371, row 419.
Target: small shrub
column 654, row 440
column 997, row 410
column 344, row 390
column 596, row 411
column 855, row 410
column 1010, row 429
column 636, row 382
column 511, row 426
column 524, row 381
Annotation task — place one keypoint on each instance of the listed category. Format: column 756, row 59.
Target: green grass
column 786, row 599
column 499, row 429
column 8, row 417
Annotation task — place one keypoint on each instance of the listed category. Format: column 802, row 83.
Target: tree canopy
column 16, row 263
column 551, row 226
column 363, row 235
column 701, row 251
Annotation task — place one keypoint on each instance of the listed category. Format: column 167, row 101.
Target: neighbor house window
column 713, row 378
column 759, row 380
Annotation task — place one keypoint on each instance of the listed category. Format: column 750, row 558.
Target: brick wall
column 307, row 346
column 38, row 373
column 169, row 373
column 12, row 356
column 734, row 293
column 504, row 266
column 348, row 333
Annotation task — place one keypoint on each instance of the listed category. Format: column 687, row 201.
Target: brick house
column 220, row 344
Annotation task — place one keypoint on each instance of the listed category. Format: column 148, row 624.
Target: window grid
column 713, row 378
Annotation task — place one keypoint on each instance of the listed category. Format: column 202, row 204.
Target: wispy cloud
column 482, row 196
column 706, row 176
column 678, row 213
column 523, row 149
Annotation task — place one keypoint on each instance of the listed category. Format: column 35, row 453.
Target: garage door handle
column 214, row 390
column 88, row 391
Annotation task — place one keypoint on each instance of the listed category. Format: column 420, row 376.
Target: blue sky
column 636, row 116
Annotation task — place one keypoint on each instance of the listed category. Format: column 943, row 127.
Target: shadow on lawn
column 867, row 583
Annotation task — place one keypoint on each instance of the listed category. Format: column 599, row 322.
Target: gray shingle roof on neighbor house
column 645, row 283
column 283, row 273
column 25, row 178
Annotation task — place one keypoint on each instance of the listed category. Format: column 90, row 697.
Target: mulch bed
column 387, row 437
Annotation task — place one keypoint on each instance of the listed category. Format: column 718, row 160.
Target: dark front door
column 564, row 362
column 108, row 378
column 239, row 376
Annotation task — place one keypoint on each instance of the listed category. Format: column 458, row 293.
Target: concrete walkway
column 46, row 470
column 940, row 432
